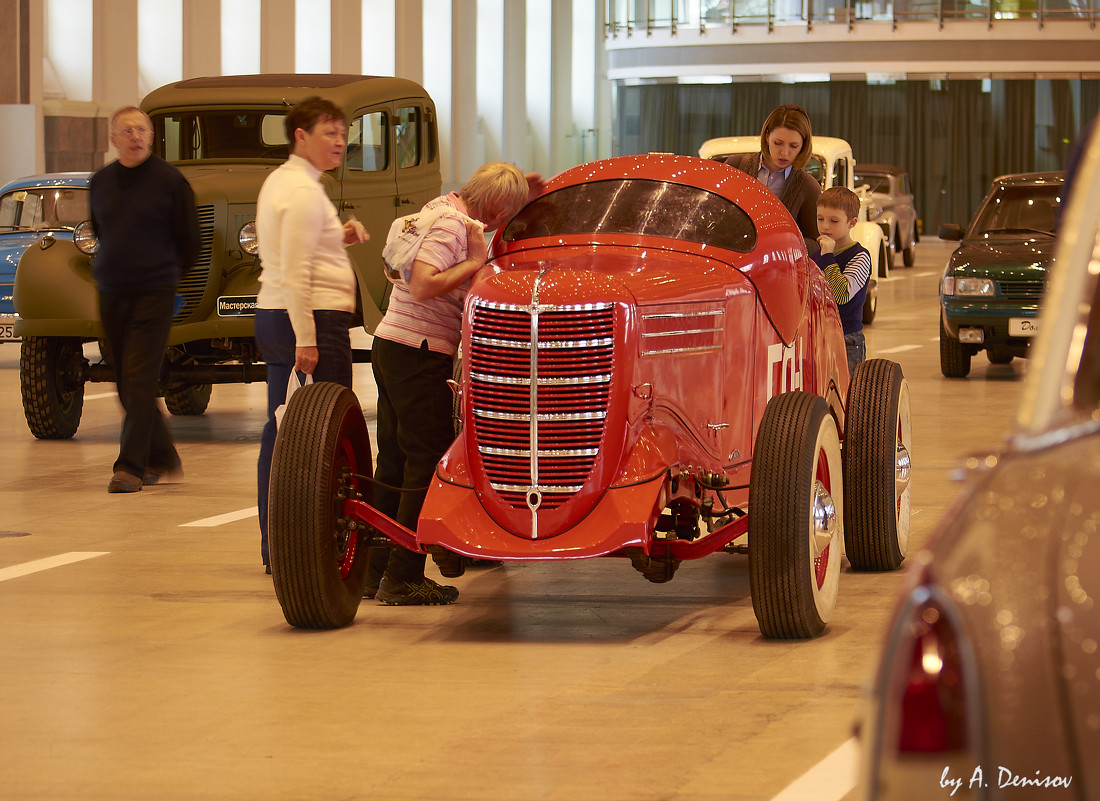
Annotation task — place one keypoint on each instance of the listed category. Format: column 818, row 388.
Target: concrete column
column 277, row 36
column 115, row 52
column 202, row 38
column 464, row 119
column 561, row 88
column 515, row 141
column 409, row 39
column 347, row 36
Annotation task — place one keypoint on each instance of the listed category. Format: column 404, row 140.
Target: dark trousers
column 275, row 338
column 415, row 428
column 136, row 326
column 856, row 346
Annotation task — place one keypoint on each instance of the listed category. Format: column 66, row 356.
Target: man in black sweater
column 143, row 212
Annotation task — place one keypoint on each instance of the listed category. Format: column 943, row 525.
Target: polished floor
column 143, row 654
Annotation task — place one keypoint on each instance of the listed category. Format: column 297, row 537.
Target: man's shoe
column 450, row 564
column 122, row 481
column 426, row 593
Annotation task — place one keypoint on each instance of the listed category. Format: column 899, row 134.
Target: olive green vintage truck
column 226, row 135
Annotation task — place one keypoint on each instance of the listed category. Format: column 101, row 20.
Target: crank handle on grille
column 456, row 387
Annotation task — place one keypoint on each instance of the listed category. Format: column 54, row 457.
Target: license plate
column 1023, row 326
column 7, row 332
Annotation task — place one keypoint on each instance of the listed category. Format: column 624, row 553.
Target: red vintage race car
column 652, row 369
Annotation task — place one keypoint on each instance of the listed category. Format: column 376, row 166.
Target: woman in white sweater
column 307, row 287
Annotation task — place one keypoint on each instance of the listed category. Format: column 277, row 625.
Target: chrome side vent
column 682, row 328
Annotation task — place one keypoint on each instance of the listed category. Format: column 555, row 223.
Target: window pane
column 408, row 137
column 367, row 150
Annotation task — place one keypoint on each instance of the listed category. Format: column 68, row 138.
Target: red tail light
column 933, row 704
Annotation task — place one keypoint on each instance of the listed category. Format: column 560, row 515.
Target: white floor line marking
column 900, row 349
column 829, row 780
column 220, row 520
column 101, row 395
column 925, row 275
column 38, row 565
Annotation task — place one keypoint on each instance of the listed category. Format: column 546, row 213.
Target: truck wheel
column 796, row 502
column 51, row 380
column 998, row 357
column 884, row 264
column 190, row 400
column 322, row 456
column 878, row 441
column 870, row 302
column 954, row 356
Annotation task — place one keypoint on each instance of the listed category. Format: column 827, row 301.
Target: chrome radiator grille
column 539, row 413
column 193, row 285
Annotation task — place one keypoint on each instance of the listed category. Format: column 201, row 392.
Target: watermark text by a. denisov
column 1002, row 777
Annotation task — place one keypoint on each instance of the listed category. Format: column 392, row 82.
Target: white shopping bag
column 292, row 385
column 407, row 234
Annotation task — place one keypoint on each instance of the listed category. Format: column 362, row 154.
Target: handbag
column 293, row 384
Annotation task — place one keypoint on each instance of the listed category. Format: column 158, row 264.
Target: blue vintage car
column 37, row 210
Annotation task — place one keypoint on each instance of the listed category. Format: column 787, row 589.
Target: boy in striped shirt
column 846, row 263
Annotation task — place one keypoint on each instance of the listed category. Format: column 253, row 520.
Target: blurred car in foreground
column 891, row 207
column 38, row 210
column 995, row 279
column 989, row 686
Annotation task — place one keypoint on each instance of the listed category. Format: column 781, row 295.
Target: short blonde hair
column 495, row 187
column 796, row 119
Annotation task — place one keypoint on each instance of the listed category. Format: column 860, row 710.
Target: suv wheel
column 51, row 381
column 191, row 400
column 954, row 356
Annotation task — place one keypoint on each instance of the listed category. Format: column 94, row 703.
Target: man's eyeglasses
column 132, row 131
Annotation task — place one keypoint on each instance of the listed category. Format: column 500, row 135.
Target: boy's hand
column 827, row 243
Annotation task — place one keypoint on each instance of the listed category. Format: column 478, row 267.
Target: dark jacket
column 145, row 220
column 799, row 194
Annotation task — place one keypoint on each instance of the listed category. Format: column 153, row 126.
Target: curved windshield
column 41, row 208
column 1019, row 209
column 876, row 183
column 237, row 135
column 636, row 206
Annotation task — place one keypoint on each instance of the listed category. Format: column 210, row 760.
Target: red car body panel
column 655, row 357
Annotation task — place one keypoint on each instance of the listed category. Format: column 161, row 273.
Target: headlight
column 250, row 244
column 975, row 287
column 85, row 239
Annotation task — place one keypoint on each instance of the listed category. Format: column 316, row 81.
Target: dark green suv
column 995, row 279
column 226, row 135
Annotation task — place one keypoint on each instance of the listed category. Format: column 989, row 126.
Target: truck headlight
column 250, row 243
column 85, row 239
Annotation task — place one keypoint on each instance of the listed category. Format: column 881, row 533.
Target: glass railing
column 632, row 17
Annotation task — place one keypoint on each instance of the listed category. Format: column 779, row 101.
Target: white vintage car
column 832, row 164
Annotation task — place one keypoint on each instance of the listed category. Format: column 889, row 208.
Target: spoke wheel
column 878, row 446
column 51, row 381
column 318, row 556
column 796, row 502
